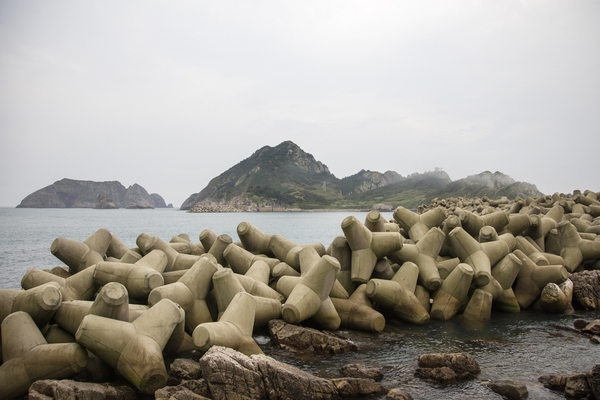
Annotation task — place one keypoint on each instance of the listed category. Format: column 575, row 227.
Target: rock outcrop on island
column 70, row 193
column 285, row 177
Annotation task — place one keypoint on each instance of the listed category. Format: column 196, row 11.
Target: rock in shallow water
column 362, row 371
column 298, row 338
column 511, row 390
column 447, row 367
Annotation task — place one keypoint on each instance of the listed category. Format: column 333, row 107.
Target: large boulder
column 586, row 290
column 230, row 374
column 301, row 339
column 510, row 390
column 223, row 373
column 283, row 381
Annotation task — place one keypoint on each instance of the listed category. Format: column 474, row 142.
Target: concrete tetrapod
column 398, row 295
column 139, row 278
column 424, row 255
column 227, row 285
column 417, row 225
column 28, row 357
column 375, row 222
column 358, row 316
column 453, row 295
column 233, row 330
column 479, row 307
column 183, row 245
column 504, row 274
column 307, row 258
column 240, row 260
column 542, row 225
column 80, row 286
column 575, row 250
column 134, row 349
column 532, row 278
column 207, row 238
column 77, row 255
column 190, row 292
column 449, row 223
column 218, row 247
column 310, row 297
column 40, row 302
column 112, row 302
column 472, row 223
column 175, row 261
column 285, row 250
column 340, row 250
column 116, row 248
column 529, row 247
column 367, row 247
column 517, row 224
column 254, row 240
column 480, row 256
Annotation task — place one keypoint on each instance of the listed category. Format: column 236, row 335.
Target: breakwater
column 386, row 243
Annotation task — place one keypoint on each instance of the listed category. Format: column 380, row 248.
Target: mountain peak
column 494, row 181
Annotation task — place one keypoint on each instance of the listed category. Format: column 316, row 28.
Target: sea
column 520, row 347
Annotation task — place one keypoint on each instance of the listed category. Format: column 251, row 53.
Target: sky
column 169, row 95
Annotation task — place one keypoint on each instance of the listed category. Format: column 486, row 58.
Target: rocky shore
column 115, row 312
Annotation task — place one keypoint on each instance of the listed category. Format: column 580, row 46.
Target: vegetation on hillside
column 287, row 177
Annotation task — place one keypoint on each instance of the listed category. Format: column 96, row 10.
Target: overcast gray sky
column 171, row 94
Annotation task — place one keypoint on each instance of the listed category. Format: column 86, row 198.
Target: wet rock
column 230, row 374
column 68, row 389
column 398, row 394
column 439, row 374
column 447, row 367
column 586, row 290
column 183, row 369
column 177, row 393
column 283, row 381
column 580, row 324
column 577, row 387
column 593, row 327
column 187, row 390
column 554, row 300
column 362, row 371
column 354, row 387
column 301, row 339
column 593, row 379
column 554, row 382
column 510, row 389
column 595, row 339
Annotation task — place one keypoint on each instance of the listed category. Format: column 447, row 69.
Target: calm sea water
column 511, row 346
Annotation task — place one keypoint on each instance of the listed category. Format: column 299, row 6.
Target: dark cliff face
column 70, row 193
column 158, row 201
column 137, row 197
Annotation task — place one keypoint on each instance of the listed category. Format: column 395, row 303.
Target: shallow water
column 511, row 346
